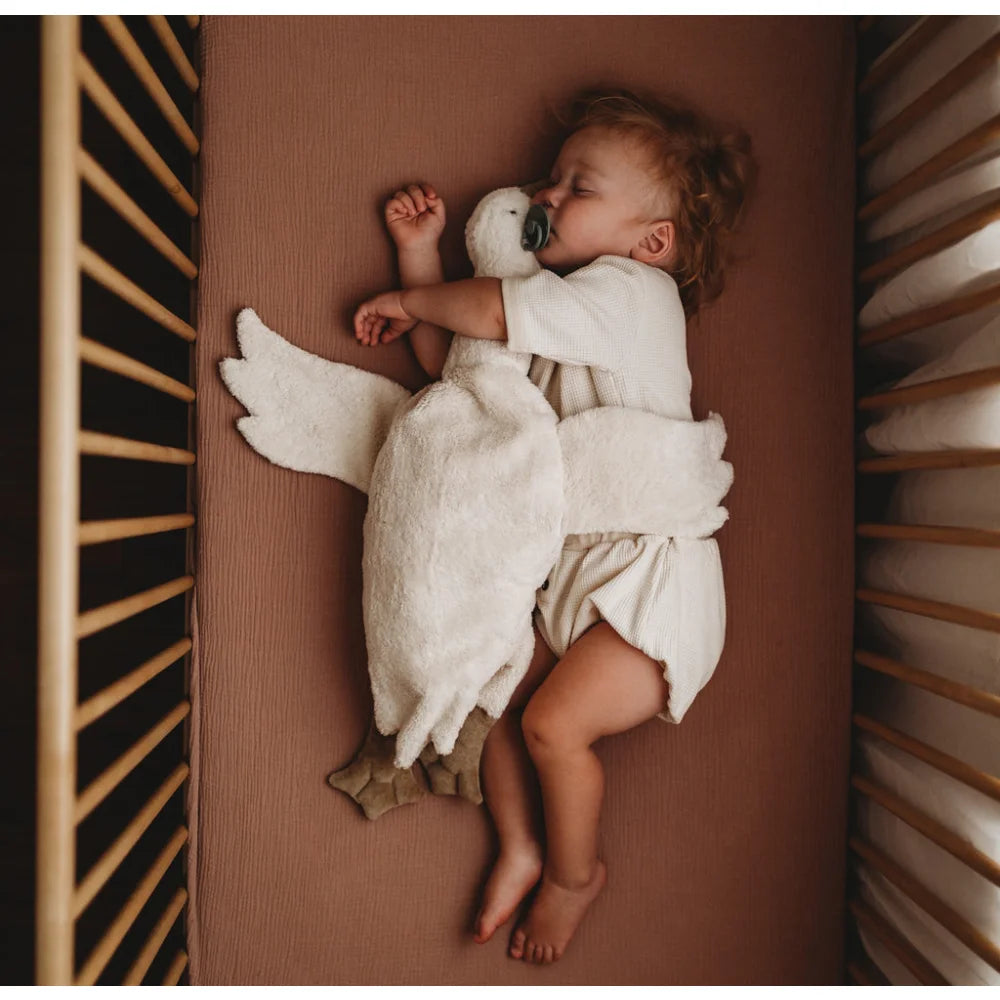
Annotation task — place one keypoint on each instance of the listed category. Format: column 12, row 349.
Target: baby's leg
column 601, row 686
column 510, row 789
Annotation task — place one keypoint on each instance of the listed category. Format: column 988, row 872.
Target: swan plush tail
column 306, row 413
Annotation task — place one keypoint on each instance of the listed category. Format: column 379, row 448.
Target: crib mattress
column 724, row 836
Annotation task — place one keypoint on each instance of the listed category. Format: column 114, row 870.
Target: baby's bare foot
column 554, row 917
column 513, row 875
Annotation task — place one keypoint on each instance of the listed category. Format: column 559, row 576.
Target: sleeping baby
column 640, row 201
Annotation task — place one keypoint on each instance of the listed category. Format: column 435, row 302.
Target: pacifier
column 536, row 229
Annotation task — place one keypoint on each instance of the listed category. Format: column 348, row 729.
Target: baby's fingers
column 416, row 192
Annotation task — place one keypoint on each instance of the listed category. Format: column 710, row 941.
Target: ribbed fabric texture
column 612, row 334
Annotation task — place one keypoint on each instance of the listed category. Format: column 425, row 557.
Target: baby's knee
column 548, row 731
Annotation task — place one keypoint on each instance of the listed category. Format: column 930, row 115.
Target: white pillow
column 965, row 498
column 956, row 962
column 937, row 205
column 965, row 267
column 963, row 112
column 954, row 574
column 970, row 814
column 967, row 420
column 957, row 652
column 928, row 342
column 952, row 881
column 970, row 735
column 926, row 66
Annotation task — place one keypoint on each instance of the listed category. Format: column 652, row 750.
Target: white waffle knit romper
column 611, row 333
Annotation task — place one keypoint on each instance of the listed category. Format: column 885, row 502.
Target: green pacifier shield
column 536, row 229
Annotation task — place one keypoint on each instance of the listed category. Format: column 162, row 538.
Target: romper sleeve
column 589, row 317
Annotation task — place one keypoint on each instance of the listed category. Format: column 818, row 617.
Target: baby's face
column 596, row 200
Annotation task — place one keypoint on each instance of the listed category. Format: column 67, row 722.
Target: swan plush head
column 493, row 236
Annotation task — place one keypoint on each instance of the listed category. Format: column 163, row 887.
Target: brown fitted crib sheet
column 725, row 836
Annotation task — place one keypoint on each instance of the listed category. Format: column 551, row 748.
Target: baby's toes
column 517, row 945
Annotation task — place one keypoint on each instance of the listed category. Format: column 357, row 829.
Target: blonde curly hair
column 706, row 173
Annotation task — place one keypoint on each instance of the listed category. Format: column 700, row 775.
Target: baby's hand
column 415, row 217
column 382, row 319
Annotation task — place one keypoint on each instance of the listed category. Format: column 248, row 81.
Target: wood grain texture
column 725, row 836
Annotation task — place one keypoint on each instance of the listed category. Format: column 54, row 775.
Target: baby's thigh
column 603, row 685
column 542, row 662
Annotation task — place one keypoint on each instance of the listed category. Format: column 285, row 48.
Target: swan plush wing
column 629, row 470
column 306, row 413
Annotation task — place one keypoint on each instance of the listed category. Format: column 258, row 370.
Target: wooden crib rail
column 126, row 45
column 921, row 392
column 108, row 188
column 900, row 51
column 963, row 694
column 945, row 763
column 132, row 931
column 962, row 850
column 912, row 887
column 101, row 94
column 939, row 610
column 961, row 149
column 920, row 318
column 896, row 944
column 933, row 97
column 881, row 259
column 932, row 243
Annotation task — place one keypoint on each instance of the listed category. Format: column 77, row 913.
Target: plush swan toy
column 473, row 484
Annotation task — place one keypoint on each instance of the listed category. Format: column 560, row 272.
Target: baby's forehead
column 604, row 149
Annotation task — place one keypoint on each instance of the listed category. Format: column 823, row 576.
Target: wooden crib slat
column 59, row 493
column 896, row 55
column 106, row 947
column 953, row 81
column 96, row 619
column 937, row 533
column 972, row 938
column 118, row 199
column 896, row 944
column 958, row 458
column 920, row 318
column 959, row 150
column 173, row 49
column 938, row 610
column 110, row 446
column 942, row 238
column 109, row 861
column 114, row 281
column 948, row 841
column 154, row 942
column 935, row 389
column 192, row 20
column 963, row 694
column 109, row 779
column 95, row 532
column 121, row 364
column 952, row 766
column 109, row 105
column 176, row 970
column 106, row 699
column 132, row 54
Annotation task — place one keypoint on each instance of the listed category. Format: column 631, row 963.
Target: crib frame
column 67, row 78
column 875, row 68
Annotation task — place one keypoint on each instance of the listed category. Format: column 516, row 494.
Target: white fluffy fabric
column 473, row 484
column 307, row 413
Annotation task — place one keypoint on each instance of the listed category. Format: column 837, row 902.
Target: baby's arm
column 415, row 219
